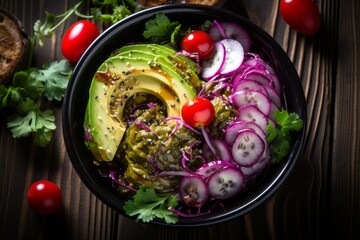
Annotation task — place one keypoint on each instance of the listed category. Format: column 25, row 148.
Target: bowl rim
column 190, row 9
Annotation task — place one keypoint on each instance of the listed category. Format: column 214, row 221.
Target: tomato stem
column 67, row 14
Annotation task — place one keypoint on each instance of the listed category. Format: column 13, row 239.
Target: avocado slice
column 119, row 78
column 164, row 50
column 167, row 55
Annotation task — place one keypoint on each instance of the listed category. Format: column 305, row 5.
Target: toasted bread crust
column 203, row 2
column 152, row 3
column 12, row 44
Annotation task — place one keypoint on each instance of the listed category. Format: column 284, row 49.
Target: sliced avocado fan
column 135, row 69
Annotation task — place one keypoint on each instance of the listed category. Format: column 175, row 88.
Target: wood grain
column 345, row 168
column 321, row 198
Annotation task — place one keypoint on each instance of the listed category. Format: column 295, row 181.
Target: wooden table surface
column 320, row 199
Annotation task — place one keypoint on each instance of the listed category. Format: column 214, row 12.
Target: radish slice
column 258, row 61
column 234, row 56
column 258, row 167
column 223, row 30
column 213, row 66
column 276, row 82
column 209, row 168
column 249, row 85
column 273, row 108
column 221, row 149
column 193, row 190
column 266, row 70
column 252, row 114
column 273, row 96
column 260, row 78
column 225, row 183
column 248, row 147
column 233, row 129
column 252, row 97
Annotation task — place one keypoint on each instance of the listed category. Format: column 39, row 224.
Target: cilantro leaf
column 3, row 91
column 160, row 29
column 175, row 34
column 43, row 136
column 22, row 126
column 280, row 148
column 279, row 137
column 26, row 106
column 55, row 77
column 22, row 86
column 147, row 205
column 11, row 96
column 30, row 119
column 33, row 88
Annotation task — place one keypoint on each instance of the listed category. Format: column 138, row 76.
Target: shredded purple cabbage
column 145, row 127
column 87, row 134
column 113, row 177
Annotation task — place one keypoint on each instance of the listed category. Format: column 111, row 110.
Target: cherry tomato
column 77, row 39
column 198, row 43
column 302, row 15
column 198, row 112
column 44, row 197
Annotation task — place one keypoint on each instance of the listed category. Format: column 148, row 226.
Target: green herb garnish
column 113, row 11
column 279, row 137
column 148, row 205
column 161, row 30
column 24, row 97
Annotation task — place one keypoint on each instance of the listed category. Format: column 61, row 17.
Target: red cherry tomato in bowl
column 198, row 112
column 77, row 39
column 301, row 15
column 44, row 197
column 198, row 43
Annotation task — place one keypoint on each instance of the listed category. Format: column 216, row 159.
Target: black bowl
column 129, row 30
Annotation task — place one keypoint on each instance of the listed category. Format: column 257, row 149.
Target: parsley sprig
column 161, row 30
column 24, row 97
column 148, row 205
column 43, row 30
column 279, row 137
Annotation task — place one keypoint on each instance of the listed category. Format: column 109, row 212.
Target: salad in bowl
column 189, row 122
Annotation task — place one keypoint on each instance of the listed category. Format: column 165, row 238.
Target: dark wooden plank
column 320, row 198
column 345, row 165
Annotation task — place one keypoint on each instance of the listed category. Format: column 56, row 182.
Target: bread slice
column 13, row 44
column 202, row 2
column 152, row 3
